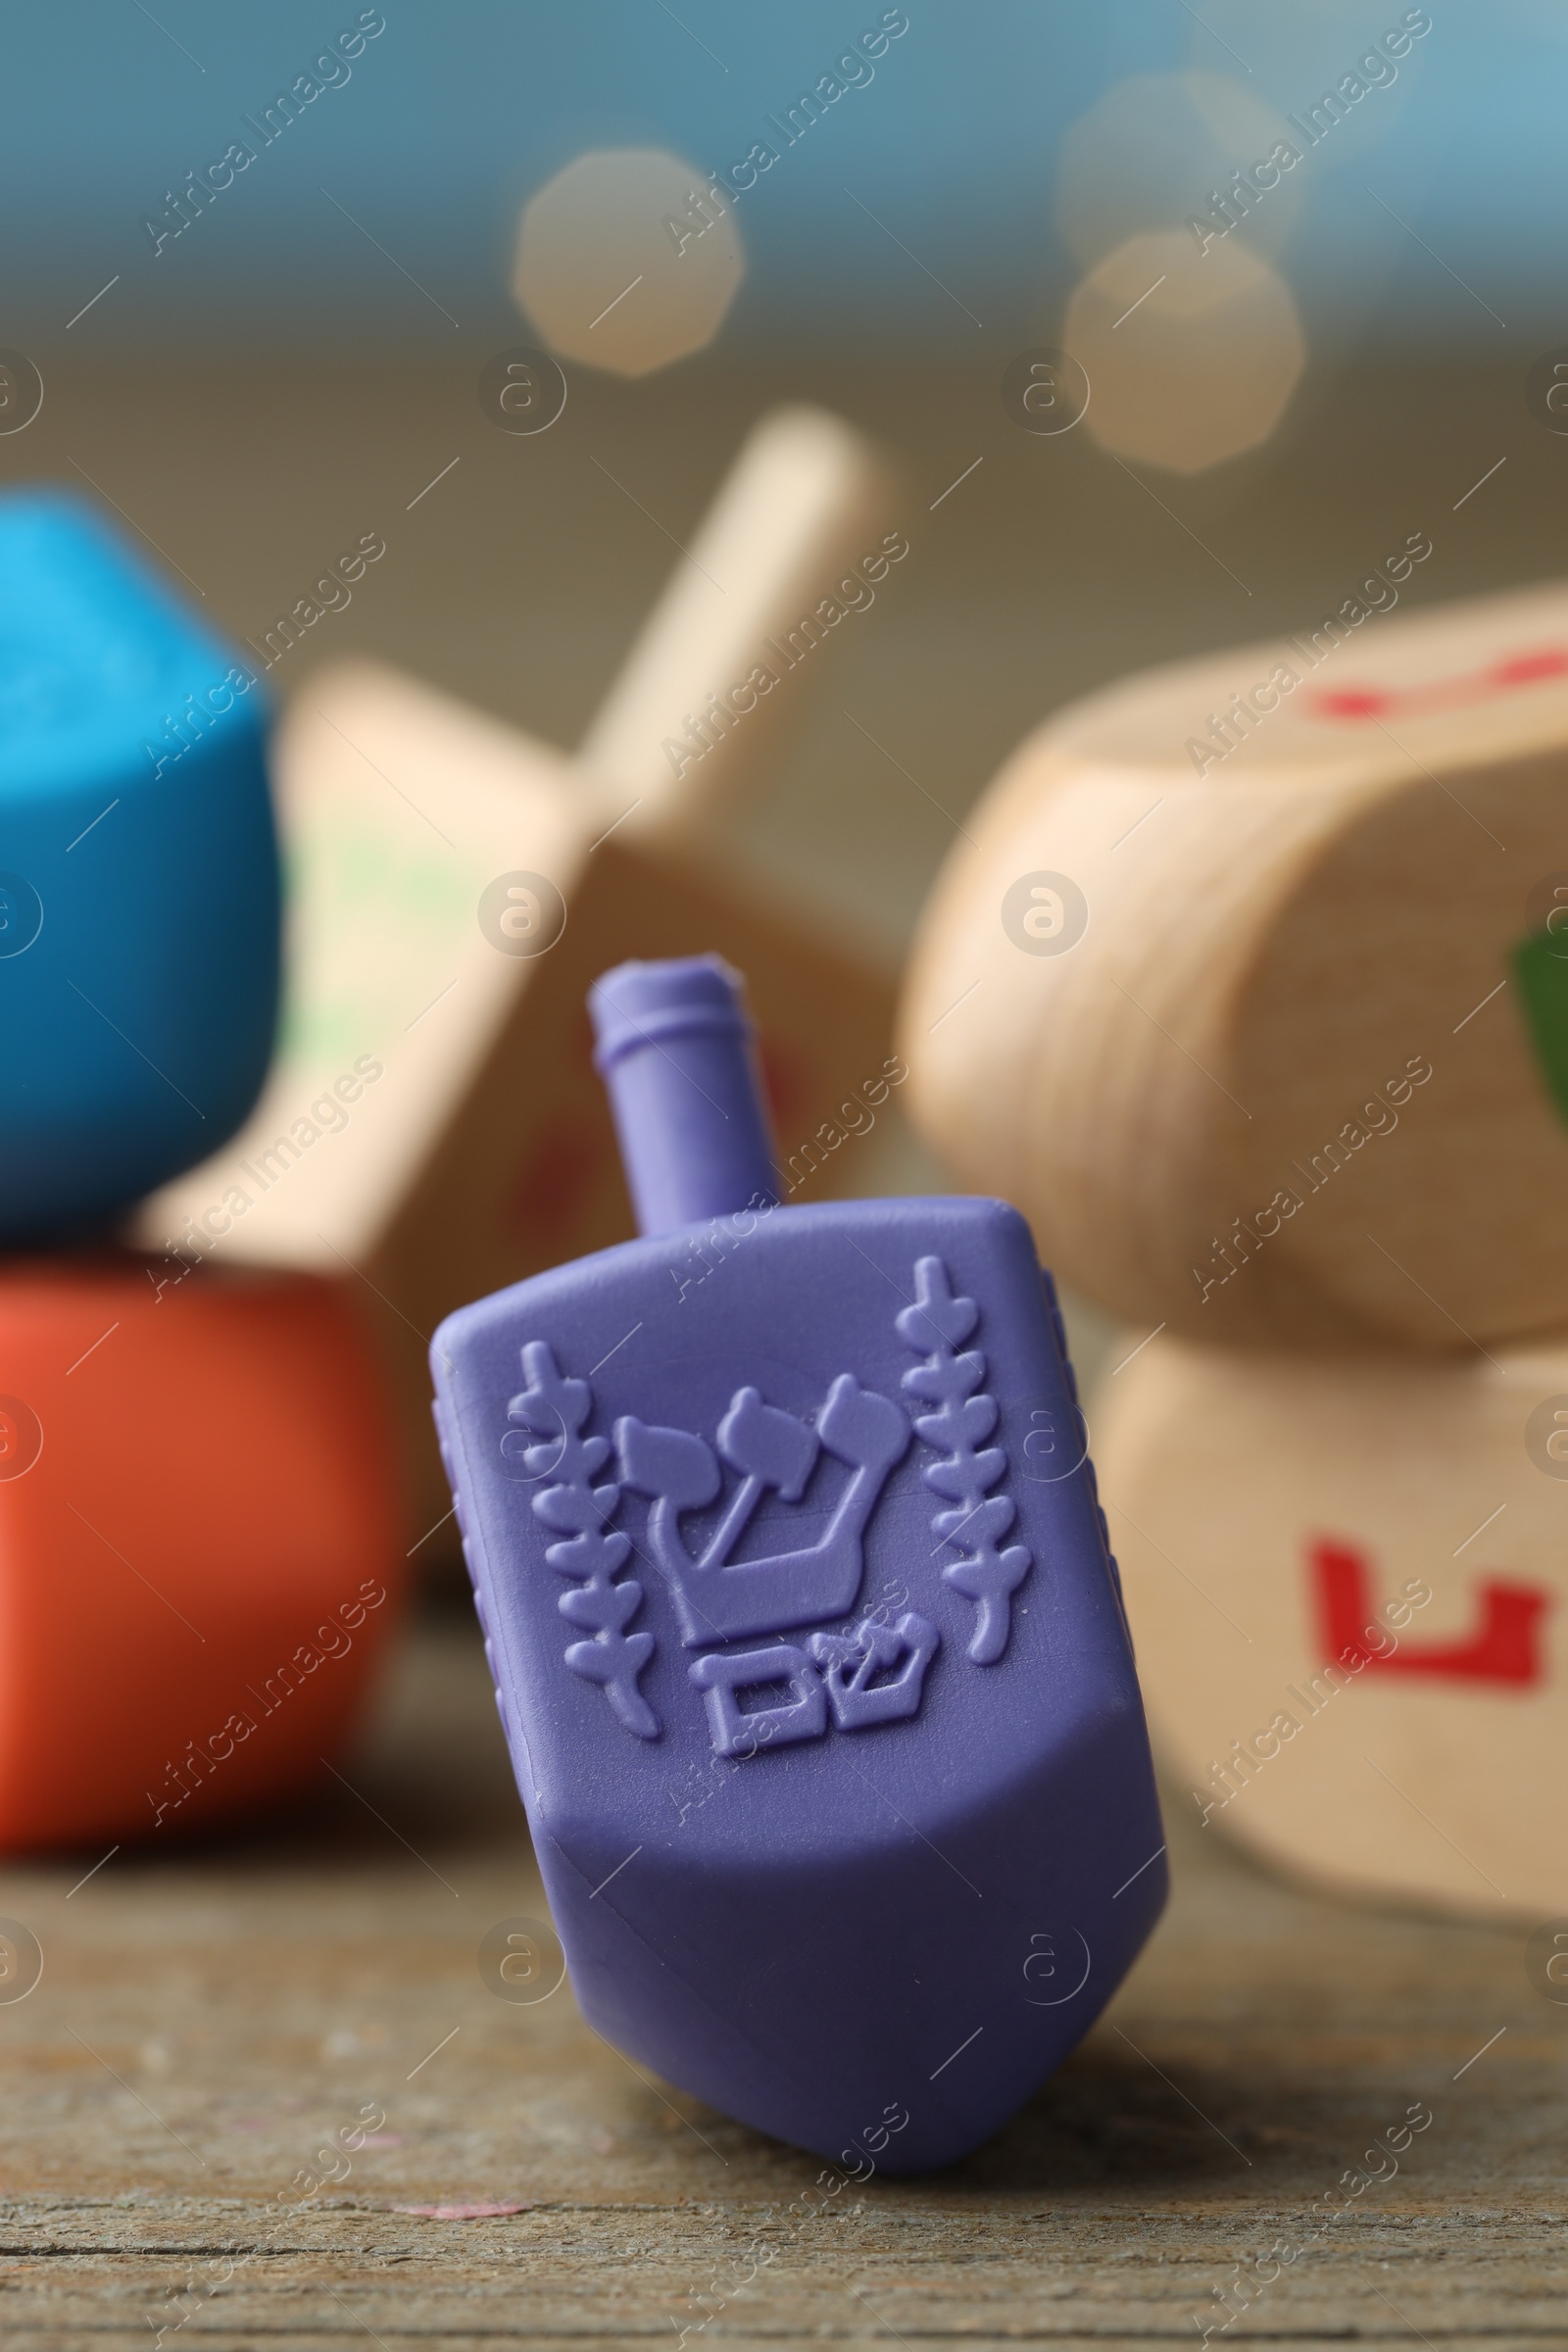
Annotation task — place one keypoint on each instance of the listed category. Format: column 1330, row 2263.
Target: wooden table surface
column 208, row 2018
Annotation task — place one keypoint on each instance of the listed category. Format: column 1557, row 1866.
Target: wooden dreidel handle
column 1221, row 986
column 793, row 543
column 201, row 1557
column 1345, row 1581
column 432, row 1129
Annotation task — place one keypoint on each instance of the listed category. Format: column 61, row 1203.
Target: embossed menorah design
column 718, row 1597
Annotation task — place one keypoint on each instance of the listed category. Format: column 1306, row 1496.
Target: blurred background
column 296, row 364
column 264, row 290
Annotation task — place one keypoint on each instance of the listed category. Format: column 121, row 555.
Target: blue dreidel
column 806, row 1634
column 139, row 897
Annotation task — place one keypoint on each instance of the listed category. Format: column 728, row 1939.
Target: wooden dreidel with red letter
column 201, row 1555
column 1228, row 984
column 1348, row 1583
column 432, row 1130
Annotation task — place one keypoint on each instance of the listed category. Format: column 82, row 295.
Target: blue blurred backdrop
column 1438, row 210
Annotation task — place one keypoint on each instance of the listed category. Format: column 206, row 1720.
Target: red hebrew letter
column 1506, row 1646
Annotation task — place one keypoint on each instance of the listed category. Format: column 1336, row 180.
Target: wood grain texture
column 250, row 2000
column 1210, row 1103
column 1266, row 1512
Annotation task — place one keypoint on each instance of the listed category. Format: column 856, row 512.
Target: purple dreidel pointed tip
column 675, row 1052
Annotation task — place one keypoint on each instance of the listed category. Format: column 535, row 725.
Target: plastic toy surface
column 139, row 901
column 199, row 1555
column 807, row 1639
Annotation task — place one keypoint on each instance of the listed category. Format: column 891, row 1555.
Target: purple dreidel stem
column 676, row 1055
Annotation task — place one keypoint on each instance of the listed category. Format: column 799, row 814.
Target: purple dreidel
column 806, row 1634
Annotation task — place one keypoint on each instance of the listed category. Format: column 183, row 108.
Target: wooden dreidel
column 139, row 896
column 821, row 1702
column 1347, row 1578
column 200, row 1553
column 1220, row 987
column 431, row 1128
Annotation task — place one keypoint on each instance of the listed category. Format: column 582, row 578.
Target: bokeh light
column 628, row 260
column 1154, row 150
column 1299, row 53
column 1192, row 353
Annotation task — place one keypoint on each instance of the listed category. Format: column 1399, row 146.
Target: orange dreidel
column 199, row 1557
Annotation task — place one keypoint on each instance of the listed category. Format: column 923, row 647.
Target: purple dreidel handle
column 675, row 1052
